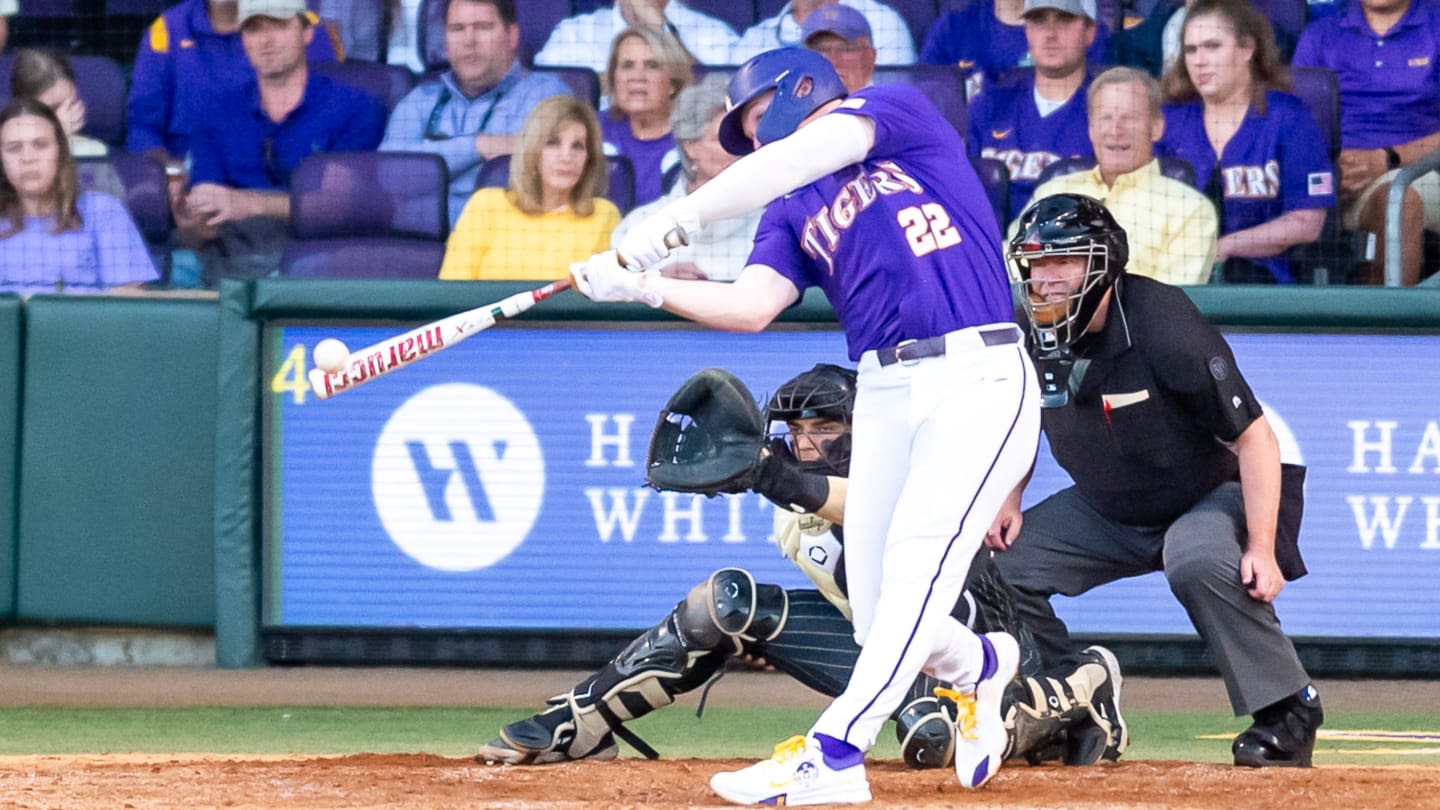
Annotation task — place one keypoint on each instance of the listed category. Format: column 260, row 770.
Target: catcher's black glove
column 708, row 437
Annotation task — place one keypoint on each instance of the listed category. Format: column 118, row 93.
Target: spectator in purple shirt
column 237, row 212
column 647, row 69
column 987, row 38
column 1386, row 58
column 1039, row 117
column 1256, row 149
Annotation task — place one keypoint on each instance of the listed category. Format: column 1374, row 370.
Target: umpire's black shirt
column 1142, row 434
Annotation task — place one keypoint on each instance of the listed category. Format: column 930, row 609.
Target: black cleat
column 1283, row 734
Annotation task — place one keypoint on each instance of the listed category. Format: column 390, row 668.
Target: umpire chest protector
column 1143, row 436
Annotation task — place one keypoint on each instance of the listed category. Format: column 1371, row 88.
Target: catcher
column 711, row 439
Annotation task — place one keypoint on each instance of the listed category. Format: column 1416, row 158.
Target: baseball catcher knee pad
column 731, row 604
column 926, row 731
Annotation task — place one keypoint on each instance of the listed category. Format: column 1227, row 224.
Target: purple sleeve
column 1307, row 52
column 121, row 251
column 149, row 103
column 898, row 112
column 939, row 48
column 777, row 247
column 206, row 165
column 364, row 129
column 1307, row 180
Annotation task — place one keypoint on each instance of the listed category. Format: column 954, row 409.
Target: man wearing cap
column 1036, row 117
column 473, row 111
column 190, row 49
column 238, row 207
column 885, row 30
column 987, row 38
column 842, row 35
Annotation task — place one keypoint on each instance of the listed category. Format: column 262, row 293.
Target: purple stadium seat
column 144, row 7
column 367, row 215
column 996, row 179
column 941, row 84
column 145, row 195
column 738, row 14
column 1289, row 18
column 387, row 83
column 583, row 82
column 1318, row 89
column 1176, row 168
column 495, row 173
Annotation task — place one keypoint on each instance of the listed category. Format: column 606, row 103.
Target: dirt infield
column 423, row 782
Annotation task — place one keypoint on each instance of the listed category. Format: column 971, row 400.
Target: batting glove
column 601, row 278
column 644, row 245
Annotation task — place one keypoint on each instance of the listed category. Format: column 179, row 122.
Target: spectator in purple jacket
column 1386, row 59
column 986, row 38
column 647, row 70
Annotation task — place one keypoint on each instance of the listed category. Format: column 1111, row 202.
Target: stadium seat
column 144, row 189
column 996, row 179
column 942, row 84
column 1288, row 18
column 584, row 83
column 367, row 215
column 495, row 173
column 1176, row 168
column 386, row 83
column 1316, row 86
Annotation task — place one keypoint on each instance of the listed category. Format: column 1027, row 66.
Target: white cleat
column 797, row 774
column 980, row 736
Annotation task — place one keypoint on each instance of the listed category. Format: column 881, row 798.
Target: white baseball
column 331, row 356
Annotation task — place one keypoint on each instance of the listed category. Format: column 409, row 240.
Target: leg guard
column 680, row 654
column 926, row 729
column 1076, row 717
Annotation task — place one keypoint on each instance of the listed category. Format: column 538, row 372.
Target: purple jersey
column 1388, row 85
column 974, row 40
column 1273, row 164
column 650, row 158
column 903, row 244
column 1005, row 124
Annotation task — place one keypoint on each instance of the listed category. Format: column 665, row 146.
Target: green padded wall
column 116, row 495
column 10, row 320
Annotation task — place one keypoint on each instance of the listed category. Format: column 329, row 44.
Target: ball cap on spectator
column 279, row 9
column 1080, row 8
column 834, row 18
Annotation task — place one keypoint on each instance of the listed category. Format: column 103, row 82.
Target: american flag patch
column 1320, row 183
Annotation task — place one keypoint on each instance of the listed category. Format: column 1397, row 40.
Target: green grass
column 724, row 732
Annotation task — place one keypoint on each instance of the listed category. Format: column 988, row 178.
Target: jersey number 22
column 927, row 228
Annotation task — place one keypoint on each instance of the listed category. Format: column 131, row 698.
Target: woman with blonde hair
column 551, row 214
column 1257, row 151
column 55, row 238
column 647, row 70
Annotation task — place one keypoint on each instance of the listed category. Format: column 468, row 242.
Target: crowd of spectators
column 1196, row 142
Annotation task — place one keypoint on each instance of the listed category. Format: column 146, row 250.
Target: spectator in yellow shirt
column 1170, row 226
column 551, row 214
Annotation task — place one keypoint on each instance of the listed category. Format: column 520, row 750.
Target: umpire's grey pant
column 1066, row 547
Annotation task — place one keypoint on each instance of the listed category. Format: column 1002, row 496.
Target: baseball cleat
column 981, row 738
column 1283, row 734
column 543, row 739
column 798, row 773
column 1105, row 704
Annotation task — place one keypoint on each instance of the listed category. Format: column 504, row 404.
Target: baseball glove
column 708, row 437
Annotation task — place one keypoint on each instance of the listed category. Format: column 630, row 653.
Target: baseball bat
column 392, row 354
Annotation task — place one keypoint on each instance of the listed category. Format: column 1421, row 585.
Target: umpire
column 1176, row 469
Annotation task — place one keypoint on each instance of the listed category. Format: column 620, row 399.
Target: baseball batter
column 870, row 199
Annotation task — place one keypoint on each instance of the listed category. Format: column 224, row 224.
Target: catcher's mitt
column 708, row 437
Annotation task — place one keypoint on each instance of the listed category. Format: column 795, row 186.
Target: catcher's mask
column 824, row 392
column 1058, row 226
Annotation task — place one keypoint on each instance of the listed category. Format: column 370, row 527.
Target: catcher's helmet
column 803, row 81
column 1067, row 225
column 825, row 392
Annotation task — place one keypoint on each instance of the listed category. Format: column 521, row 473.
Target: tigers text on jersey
column 896, row 242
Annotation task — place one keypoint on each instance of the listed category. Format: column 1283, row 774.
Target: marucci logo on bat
column 377, row 363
